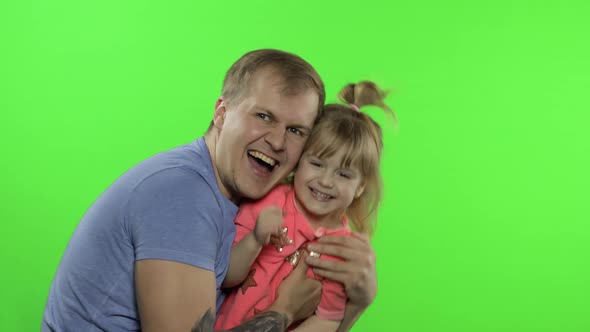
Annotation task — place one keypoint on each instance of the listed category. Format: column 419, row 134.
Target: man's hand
column 298, row 295
column 357, row 272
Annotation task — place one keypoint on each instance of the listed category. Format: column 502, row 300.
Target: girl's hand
column 269, row 223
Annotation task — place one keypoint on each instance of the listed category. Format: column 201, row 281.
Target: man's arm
column 357, row 272
column 170, row 295
column 316, row 324
column 268, row 321
column 297, row 298
column 351, row 315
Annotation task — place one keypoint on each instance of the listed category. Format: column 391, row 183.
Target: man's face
column 261, row 136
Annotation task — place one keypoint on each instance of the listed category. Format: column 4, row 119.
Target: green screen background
column 485, row 220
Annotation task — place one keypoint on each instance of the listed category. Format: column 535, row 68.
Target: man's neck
column 211, row 143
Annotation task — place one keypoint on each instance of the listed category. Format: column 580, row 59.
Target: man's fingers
column 362, row 236
column 333, row 250
column 335, row 276
column 302, row 266
column 344, row 240
column 350, row 248
column 336, row 266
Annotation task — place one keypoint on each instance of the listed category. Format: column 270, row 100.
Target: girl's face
column 325, row 189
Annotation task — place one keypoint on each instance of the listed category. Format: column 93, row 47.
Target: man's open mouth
column 263, row 160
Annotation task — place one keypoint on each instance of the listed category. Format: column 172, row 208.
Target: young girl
column 337, row 182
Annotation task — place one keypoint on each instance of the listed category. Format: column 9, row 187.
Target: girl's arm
column 241, row 258
column 268, row 223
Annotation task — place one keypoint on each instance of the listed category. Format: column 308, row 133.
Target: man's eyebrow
column 272, row 115
column 260, row 108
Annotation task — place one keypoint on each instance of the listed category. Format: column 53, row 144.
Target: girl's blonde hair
column 345, row 126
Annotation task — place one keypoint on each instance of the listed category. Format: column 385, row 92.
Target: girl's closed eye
column 345, row 175
column 315, row 163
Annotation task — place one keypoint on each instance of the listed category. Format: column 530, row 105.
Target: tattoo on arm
column 265, row 322
column 205, row 324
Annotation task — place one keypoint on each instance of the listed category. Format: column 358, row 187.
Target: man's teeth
column 263, row 157
column 320, row 195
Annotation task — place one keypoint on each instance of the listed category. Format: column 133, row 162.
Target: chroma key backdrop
column 484, row 225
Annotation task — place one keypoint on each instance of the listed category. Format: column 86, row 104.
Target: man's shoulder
column 184, row 171
column 187, row 162
column 193, row 156
column 178, row 177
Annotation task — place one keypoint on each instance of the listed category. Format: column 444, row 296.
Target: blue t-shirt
column 168, row 207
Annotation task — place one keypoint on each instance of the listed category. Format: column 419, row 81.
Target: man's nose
column 276, row 138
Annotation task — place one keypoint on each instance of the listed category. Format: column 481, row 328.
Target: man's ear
column 219, row 114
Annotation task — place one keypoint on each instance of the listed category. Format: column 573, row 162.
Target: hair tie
column 354, row 107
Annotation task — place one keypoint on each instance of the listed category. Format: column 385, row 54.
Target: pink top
column 259, row 290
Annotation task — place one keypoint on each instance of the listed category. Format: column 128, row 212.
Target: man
column 152, row 251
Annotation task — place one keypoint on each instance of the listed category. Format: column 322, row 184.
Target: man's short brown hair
column 297, row 74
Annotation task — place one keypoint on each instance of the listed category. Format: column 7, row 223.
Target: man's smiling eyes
column 263, row 116
column 294, row 130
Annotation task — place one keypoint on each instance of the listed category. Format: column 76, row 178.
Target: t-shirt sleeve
column 245, row 221
column 333, row 300
column 174, row 215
